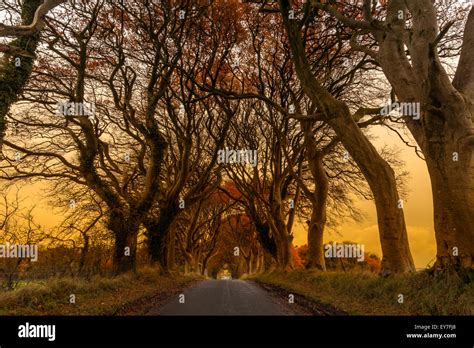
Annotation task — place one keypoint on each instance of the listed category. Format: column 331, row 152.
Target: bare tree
column 198, row 230
column 17, row 227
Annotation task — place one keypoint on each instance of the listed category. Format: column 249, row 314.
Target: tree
column 198, row 230
column 17, row 63
column 405, row 39
column 17, row 227
column 243, row 232
column 83, row 220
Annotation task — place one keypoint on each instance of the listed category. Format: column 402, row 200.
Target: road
column 224, row 297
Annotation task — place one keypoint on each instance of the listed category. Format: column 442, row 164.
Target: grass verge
column 120, row 295
column 369, row 294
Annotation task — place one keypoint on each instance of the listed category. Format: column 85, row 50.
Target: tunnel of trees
column 196, row 135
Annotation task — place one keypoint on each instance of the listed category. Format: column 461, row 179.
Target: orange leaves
column 238, row 222
column 373, row 262
column 297, row 260
column 226, row 195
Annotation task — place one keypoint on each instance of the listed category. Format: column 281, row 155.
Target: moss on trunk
column 13, row 76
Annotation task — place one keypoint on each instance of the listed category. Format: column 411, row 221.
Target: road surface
column 224, row 297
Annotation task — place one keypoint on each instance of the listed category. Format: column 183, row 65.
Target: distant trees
column 17, row 227
column 241, row 230
column 371, row 262
column 197, row 233
column 83, row 225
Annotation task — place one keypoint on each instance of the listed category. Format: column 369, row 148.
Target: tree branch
column 464, row 77
column 37, row 24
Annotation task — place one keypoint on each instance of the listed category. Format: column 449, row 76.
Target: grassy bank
column 370, row 294
column 97, row 296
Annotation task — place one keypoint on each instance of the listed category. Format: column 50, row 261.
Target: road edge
column 309, row 305
column 143, row 305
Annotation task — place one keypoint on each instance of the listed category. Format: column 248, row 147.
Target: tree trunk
column 282, row 239
column 318, row 200
column 261, row 261
column 257, row 262
column 452, row 184
column 278, row 226
column 205, row 261
column 125, row 230
column 251, row 262
column 186, row 267
column 315, row 241
column 13, row 78
column 194, row 264
column 84, row 252
column 125, row 254
column 171, row 249
column 266, row 240
column 381, row 179
column 158, row 234
column 247, row 264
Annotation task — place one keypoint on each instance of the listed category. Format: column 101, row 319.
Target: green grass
column 96, row 296
column 365, row 293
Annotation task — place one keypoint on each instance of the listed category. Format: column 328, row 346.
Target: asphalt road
column 224, row 297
